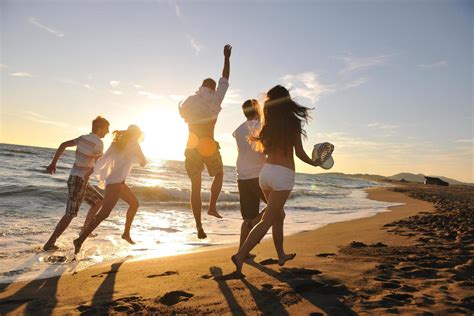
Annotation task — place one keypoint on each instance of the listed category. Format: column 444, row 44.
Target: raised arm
column 226, row 70
column 301, row 154
column 51, row 169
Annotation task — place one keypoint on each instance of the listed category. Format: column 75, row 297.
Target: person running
column 112, row 171
column 200, row 112
column 89, row 148
column 280, row 134
column 248, row 166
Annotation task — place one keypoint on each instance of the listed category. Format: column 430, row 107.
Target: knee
column 134, row 205
column 101, row 216
column 219, row 174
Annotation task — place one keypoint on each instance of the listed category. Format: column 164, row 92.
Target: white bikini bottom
column 276, row 178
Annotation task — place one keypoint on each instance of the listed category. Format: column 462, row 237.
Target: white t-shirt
column 89, row 148
column 249, row 162
column 204, row 106
column 115, row 165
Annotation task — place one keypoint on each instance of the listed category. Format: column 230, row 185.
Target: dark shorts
column 250, row 195
column 195, row 161
column 80, row 190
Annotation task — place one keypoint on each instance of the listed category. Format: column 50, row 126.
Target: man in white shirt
column 200, row 112
column 249, row 164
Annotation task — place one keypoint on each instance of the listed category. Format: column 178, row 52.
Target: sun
column 165, row 134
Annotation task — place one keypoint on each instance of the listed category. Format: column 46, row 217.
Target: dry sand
column 328, row 276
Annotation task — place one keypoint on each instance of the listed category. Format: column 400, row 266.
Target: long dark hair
column 123, row 138
column 283, row 121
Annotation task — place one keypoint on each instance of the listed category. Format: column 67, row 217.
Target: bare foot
column 52, row 247
column 201, row 233
column 128, row 238
column 213, row 212
column 238, row 265
column 77, row 246
column 282, row 261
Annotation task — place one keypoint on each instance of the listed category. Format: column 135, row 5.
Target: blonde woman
column 112, row 170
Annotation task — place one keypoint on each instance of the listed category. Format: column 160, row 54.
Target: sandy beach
column 414, row 259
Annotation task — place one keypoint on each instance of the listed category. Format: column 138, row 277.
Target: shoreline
column 189, row 280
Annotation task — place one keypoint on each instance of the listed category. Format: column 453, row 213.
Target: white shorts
column 276, row 178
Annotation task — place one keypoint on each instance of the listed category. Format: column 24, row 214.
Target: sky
column 389, row 82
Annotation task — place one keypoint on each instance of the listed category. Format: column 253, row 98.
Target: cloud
column 150, row 95
column 195, row 45
column 382, row 126
column 354, row 63
column 178, row 11
column 138, row 86
column 464, row 141
column 356, row 83
column 114, row 83
column 46, row 28
column 87, row 86
column 437, row 64
column 117, row 92
column 307, row 85
column 38, row 118
column 21, row 74
column 3, row 66
column 233, row 96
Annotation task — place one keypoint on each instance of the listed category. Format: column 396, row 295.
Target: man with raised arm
column 200, row 112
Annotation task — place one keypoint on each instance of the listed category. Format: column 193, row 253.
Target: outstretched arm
column 226, row 70
column 51, row 169
column 141, row 156
column 301, row 154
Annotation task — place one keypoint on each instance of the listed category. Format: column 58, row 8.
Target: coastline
column 185, row 283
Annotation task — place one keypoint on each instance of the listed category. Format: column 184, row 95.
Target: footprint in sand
column 55, row 259
column 174, row 297
column 325, row 255
column 166, row 273
column 299, row 272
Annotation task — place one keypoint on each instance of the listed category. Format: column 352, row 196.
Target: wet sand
column 415, row 259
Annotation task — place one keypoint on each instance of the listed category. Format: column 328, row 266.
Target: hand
column 317, row 162
column 51, row 169
column 227, row 51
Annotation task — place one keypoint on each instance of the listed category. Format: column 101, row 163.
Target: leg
column 276, row 202
column 90, row 215
column 129, row 197
column 277, row 233
column 215, row 191
column 112, row 195
column 196, row 203
column 60, row 228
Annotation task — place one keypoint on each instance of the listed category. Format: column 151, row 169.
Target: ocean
column 32, row 202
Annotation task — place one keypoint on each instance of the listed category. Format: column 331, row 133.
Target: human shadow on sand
column 105, row 292
column 234, row 307
column 39, row 295
column 324, row 293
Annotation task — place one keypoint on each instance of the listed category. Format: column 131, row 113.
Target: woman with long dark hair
column 281, row 133
column 111, row 170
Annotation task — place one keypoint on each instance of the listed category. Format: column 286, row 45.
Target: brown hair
column 250, row 108
column 99, row 122
column 283, row 120
column 123, row 138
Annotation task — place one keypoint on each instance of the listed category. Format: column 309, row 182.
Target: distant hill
column 411, row 177
column 421, row 178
